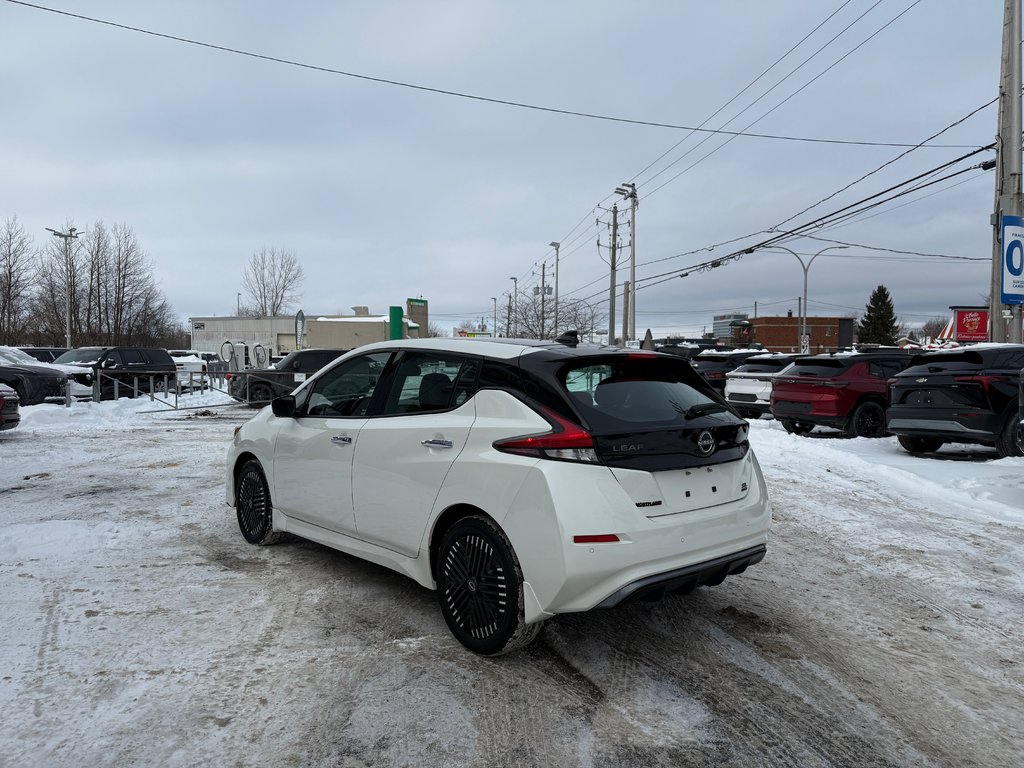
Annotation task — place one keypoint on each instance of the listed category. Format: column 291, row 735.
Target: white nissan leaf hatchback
column 519, row 479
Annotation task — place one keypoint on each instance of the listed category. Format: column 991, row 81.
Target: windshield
column 85, row 355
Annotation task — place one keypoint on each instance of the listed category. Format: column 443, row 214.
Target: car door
column 314, row 450
column 405, row 451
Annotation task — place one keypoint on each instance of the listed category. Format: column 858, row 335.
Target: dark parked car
column 714, row 364
column 44, row 354
column 845, row 390
column 968, row 395
column 121, row 370
column 10, row 416
column 258, row 386
column 34, row 384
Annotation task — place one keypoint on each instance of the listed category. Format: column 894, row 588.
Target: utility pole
column 1008, row 164
column 543, row 290
column 67, row 237
column 508, row 317
column 611, row 289
column 556, row 246
column 515, row 307
column 494, row 330
column 625, row 311
column 629, row 191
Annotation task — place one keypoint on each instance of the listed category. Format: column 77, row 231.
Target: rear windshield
column 967, row 360
column 824, row 366
column 764, row 365
column 623, row 393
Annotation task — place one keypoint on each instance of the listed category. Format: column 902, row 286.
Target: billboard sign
column 970, row 325
column 1013, row 260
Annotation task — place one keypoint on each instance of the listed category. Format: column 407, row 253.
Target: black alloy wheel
column 917, row 445
column 1006, row 441
column 796, row 427
column 479, row 587
column 867, row 420
column 253, row 506
column 260, row 395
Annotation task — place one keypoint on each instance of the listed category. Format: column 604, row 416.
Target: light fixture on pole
column 804, row 340
column 556, row 246
column 515, row 307
column 67, row 237
column 628, row 190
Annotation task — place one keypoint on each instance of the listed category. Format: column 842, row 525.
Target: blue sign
column 1013, row 260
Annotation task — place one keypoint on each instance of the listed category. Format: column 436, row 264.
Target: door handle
column 437, row 443
column 342, row 439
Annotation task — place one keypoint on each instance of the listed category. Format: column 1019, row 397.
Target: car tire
column 916, row 445
column 796, row 427
column 260, row 395
column 480, row 588
column 253, row 506
column 1006, row 441
column 867, row 420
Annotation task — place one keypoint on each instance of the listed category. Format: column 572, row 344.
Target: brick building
column 782, row 334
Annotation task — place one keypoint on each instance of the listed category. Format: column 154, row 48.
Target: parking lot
column 883, row 627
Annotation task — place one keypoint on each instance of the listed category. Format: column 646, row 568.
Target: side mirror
column 108, row 363
column 283, row 407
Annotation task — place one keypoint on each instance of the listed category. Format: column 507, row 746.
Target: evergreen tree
column 878, row 326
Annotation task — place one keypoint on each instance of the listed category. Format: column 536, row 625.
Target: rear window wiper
column 703, row 409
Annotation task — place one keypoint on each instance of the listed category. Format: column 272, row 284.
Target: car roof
column 502, row 349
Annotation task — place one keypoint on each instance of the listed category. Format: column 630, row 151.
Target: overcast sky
column 386, row 192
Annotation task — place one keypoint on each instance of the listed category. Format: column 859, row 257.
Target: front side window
column 346, row 390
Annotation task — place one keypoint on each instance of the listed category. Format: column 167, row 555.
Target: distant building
column 782, row 334
column 722, row 327
column 277, row 334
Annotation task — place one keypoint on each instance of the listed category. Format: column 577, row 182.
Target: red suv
column 844, row 390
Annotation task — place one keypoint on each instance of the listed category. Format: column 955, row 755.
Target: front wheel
column 867, row 420
column 480, row 588
column 253, row 505
column 919, row 444
column 260, row 395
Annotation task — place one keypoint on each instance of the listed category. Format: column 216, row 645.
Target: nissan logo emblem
column 706, row 443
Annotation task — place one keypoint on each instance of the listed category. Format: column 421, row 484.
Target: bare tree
column 272, row 280
column 933, row 327
column 17, row 273
column 572, row 314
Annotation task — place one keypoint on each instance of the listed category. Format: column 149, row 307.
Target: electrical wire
column 459, row 94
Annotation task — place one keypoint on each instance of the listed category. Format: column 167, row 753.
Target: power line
column 461, row 95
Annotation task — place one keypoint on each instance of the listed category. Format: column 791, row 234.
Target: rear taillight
column 227, row 376
column 204, row 368
column 985, row 381
column 716, row 375
column 566, row 441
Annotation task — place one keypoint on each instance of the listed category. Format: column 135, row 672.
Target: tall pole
column 628, row 190
column 611, row 288
column 494, row 330
column 625, row 311
column 543, row 291
column 1008, row 178
column 556, row 246
column 515, row 307
column 67, row 237
column 803, row 340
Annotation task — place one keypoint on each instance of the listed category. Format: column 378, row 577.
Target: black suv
column 967, row 395
column 44, row 354
column 34, row 384
column 9, row 414
column 259, row 386
column 125, row 371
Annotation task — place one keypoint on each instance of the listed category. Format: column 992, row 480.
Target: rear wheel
column 867, row 420
column 1006, row 442
column 480, row 588
column 253, row 506
column 796, row 427
column 920, row 444
column 260, row 395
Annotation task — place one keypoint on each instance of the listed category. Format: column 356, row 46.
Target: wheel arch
column 240, row 461
column 446, row 520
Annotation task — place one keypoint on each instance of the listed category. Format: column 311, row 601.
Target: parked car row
column 966, row 395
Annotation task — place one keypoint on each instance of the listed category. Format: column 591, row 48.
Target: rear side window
column 132, row 357
column 431, row 381
column 823, row 367
column 630, row 392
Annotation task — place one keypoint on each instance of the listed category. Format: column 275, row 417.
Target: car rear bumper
column 805, row 412
column 962, row 425
column 683, row 580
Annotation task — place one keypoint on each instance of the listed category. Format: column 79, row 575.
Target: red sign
column 971, row 325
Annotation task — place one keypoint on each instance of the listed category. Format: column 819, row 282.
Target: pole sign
column 1013, row 260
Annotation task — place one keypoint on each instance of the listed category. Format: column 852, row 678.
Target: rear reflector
column 601, row 538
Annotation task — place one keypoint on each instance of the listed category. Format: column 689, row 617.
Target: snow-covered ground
column 883, row 627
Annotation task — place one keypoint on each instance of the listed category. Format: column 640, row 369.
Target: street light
column 515, row 307
column 556, row 246
column 71, row 234
column 806, row 267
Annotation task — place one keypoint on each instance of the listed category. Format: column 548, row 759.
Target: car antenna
column 569, row 338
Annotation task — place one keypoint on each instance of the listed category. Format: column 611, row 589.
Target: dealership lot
column 881, row 629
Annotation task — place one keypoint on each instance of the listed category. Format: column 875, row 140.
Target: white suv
column 748, row 388
column 519, row 479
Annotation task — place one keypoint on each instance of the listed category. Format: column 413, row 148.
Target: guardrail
column 153, row 383
column 258, row 386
